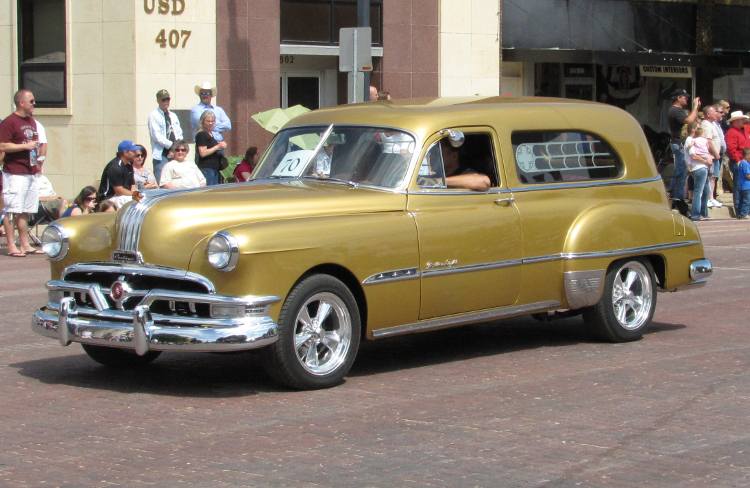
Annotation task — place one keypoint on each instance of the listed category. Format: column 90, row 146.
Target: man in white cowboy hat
column 736, row 140
column 206, row 91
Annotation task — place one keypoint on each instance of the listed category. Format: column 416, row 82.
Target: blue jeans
column 701, row 191
column 744, row 204
column 158, row 165
column 212, row 176
column 679, row 177
column 736, row 193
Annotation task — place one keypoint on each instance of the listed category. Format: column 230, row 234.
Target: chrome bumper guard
column 700, row 270
column 143, row 331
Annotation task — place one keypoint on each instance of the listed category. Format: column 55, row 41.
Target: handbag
column 223, row 163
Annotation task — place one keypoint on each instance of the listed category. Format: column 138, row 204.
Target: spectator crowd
column 710, row 146
column 28, row 195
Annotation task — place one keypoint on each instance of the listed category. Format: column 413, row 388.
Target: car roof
column 424, row 116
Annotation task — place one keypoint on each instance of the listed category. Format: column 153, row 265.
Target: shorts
column 716, row 168
column 20, row 194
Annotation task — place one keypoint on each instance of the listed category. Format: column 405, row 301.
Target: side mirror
column 455, row 137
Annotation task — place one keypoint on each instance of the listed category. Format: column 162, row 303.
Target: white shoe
column 717, row 203
column 710, row 203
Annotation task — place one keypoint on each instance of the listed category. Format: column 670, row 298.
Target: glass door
column 300, row 89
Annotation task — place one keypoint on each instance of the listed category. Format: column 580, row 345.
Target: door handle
column 505, row 202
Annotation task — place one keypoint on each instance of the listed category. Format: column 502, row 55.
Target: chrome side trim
column 427, row 273
column 587, row 184
column 465, row 319
column 147, row 270
column 390, row 276
column 583, row 288
column 458, row 191
column 566, row 256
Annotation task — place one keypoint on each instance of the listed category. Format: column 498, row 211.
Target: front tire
column 627, row 304
column 119, row 358
column 319, row 334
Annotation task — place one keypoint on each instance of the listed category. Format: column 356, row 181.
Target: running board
column 466, row 318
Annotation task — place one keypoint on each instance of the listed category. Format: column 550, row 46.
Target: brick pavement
column 519, row 403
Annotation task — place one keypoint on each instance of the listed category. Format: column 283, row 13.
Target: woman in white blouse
column 179, row 172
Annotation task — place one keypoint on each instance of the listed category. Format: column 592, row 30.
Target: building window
column 41, row 50
column 553, row 157
column 319, row 21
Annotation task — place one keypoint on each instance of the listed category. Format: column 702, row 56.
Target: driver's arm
column 469, row 181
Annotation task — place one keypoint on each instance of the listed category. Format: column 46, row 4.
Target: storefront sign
column 173, row 38
column 666, row 71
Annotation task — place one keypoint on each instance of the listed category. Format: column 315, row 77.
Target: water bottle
column 32, row 157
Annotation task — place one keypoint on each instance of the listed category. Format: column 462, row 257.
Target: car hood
column 173, row 225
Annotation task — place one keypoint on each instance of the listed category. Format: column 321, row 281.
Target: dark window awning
column 600, row 25
column 734, row 60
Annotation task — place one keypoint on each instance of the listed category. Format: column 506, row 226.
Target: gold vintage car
column 376, row 220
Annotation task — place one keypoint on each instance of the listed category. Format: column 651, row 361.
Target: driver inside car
column 460, row 176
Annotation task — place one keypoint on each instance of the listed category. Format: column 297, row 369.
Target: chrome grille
column 91, row 285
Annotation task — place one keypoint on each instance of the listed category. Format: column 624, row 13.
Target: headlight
column 55, row 242
column 223, row 251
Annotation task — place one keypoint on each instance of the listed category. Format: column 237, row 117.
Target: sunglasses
column 205, row 93
column 89, row 199
column 165, row 99
column 180, row 149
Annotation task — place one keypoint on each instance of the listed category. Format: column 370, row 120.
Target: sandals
column 34, row 251
column 17, row 254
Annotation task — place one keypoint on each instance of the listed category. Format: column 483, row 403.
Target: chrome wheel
column 322, row 333
column 632, row 295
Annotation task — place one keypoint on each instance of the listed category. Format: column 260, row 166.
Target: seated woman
column 243, row 170
column 179, row 172
column 144, row 179
column 84, row 203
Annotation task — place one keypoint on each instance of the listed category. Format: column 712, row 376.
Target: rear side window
column 555, row 156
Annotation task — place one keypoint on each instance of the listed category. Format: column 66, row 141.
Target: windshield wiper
column 332, row 179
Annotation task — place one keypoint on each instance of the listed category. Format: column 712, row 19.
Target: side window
column 476, row 155
column 556, row 156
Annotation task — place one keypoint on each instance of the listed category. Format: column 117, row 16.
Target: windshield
column 358, row 155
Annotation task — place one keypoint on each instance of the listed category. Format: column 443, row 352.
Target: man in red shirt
column 737, row 140
column 19, row 140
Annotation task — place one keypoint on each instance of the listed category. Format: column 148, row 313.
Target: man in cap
column 164, row 129
column 736, row 140
column 206, row 92
column 19, row 140
column 677, row 117
column 118, row 182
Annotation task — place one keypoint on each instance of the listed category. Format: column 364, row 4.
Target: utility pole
column 500, row 46
column 363, row 20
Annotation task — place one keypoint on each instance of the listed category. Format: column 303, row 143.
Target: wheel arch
column 347, row 277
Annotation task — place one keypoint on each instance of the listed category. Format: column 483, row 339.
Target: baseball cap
column 127, row 145
column 680, row 92
column 162, row 94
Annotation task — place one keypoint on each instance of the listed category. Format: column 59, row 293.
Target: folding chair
column 43, row 216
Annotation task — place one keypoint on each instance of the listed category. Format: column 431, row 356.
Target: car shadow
column 475, row 341
column 240, row 374
column 177, row 374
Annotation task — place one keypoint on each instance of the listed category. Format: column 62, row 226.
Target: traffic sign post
column 355, row 58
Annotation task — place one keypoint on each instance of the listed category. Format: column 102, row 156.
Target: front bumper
column 142, row 331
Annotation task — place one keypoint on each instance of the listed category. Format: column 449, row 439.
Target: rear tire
column 119, row 358
column 627, row 304
column 319, row 333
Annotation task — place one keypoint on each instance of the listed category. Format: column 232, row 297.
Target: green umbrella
column 276, row 118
